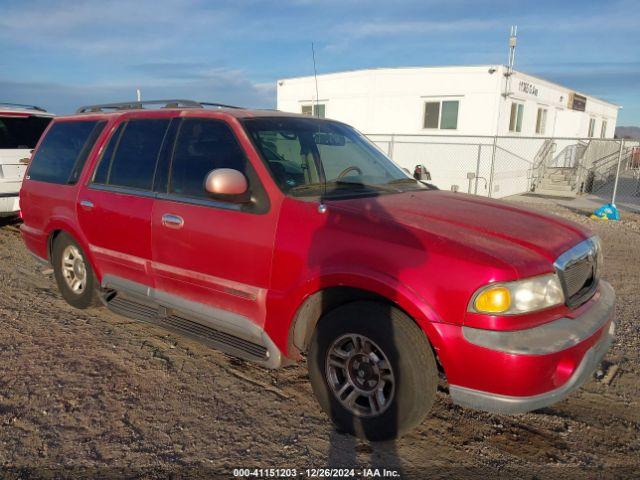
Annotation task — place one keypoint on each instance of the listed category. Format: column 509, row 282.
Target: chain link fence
column 498, row 167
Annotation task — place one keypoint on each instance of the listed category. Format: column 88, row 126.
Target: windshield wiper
column 341, row 183
column 306, row 186
column 412, row 181
column 373, row 186
column 402, row 180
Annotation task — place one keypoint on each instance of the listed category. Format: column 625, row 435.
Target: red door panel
column 218, row 257
column 118, row 229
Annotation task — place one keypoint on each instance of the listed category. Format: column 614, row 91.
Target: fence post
column 493, row 161
column 391, row 145
column 615, row 184
column 475, row 190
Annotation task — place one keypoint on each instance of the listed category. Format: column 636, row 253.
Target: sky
column 63, row 54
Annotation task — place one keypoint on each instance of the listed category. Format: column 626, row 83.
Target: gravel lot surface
column 91, row 394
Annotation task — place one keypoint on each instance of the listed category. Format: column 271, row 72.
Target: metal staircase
column 557, row 182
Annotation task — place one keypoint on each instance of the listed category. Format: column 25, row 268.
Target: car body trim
column 237, row 289
column 118, row 255
column 506, row 404
column 550, row 337
column 138, row 192
column 208, row 316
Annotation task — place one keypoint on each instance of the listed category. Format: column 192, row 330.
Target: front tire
column 372, row 370
column 75, row 278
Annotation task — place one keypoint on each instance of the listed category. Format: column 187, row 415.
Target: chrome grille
column 578, row 271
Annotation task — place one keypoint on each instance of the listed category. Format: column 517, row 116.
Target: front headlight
column 522, row 296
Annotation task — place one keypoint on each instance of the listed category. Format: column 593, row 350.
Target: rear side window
column 22, row 132
column 203, row 145
column 132, row 153
column 63, row 151
column 102, row 172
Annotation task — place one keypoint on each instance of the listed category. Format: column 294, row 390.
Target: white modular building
column 465, row 100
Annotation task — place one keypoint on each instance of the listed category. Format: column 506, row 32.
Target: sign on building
column 577, row 102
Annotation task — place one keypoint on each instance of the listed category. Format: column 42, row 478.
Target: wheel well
column 52, row 237
column 319, row 304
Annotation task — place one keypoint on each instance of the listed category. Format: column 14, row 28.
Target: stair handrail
column 540, row 161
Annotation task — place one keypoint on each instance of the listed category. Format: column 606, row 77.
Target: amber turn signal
column 493, row 300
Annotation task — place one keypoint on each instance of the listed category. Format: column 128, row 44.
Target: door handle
column 172, row 221
column 86, row 204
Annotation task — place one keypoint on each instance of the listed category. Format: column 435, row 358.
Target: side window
column 203, row 145
column 515, row 119
column 431, row 114
column 134, row 161
column 541, row 121
column 101, row 174
column 603, row 129
column 449, row 119
column 64, row 150
column 592, row 127
column 441, row 114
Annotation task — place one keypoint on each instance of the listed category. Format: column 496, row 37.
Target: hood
column 520, row 237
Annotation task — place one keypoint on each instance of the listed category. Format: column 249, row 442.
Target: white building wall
column 562, row 121
column 392, row 100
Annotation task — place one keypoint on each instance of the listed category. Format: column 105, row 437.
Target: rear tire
column 372, row 370
column 73, row 272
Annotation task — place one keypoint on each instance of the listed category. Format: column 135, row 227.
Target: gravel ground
column 90, row 394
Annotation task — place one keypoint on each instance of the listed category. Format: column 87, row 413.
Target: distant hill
column 628, row 132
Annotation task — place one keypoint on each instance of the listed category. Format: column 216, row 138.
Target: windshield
column 317, row 157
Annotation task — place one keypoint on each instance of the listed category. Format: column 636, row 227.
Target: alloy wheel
column 74, row 270
column 360, row 376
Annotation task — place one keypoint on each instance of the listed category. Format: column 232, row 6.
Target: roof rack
column 140, row 105
column 20, row 105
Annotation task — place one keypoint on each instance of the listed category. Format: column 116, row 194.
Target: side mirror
column 227, row 184
column 421, row 173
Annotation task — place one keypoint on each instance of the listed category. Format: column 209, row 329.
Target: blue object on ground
column 608, row 211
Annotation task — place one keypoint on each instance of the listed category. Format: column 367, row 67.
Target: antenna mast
column 315, row 76
column 513, row 40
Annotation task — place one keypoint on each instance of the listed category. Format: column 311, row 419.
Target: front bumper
column 544, row 344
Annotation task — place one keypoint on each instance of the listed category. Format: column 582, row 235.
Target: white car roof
column 9, row 108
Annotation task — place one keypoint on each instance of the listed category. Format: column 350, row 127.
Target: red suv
column 273, row 236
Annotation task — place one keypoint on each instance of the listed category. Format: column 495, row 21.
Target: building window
column 431, row 114
column 592, row 127
column 442, row 115
column 449, row 119
column 541, row 121
column 515, row 120
column 316, row 110
column 603, row 129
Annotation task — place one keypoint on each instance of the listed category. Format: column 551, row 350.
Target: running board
column 218, row 329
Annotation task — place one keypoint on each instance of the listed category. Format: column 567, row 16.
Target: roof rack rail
column 140, row 105
column 20, row 105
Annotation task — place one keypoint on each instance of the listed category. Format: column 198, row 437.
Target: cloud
column 101, row 28
column 230, row 87
column 422, row 27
